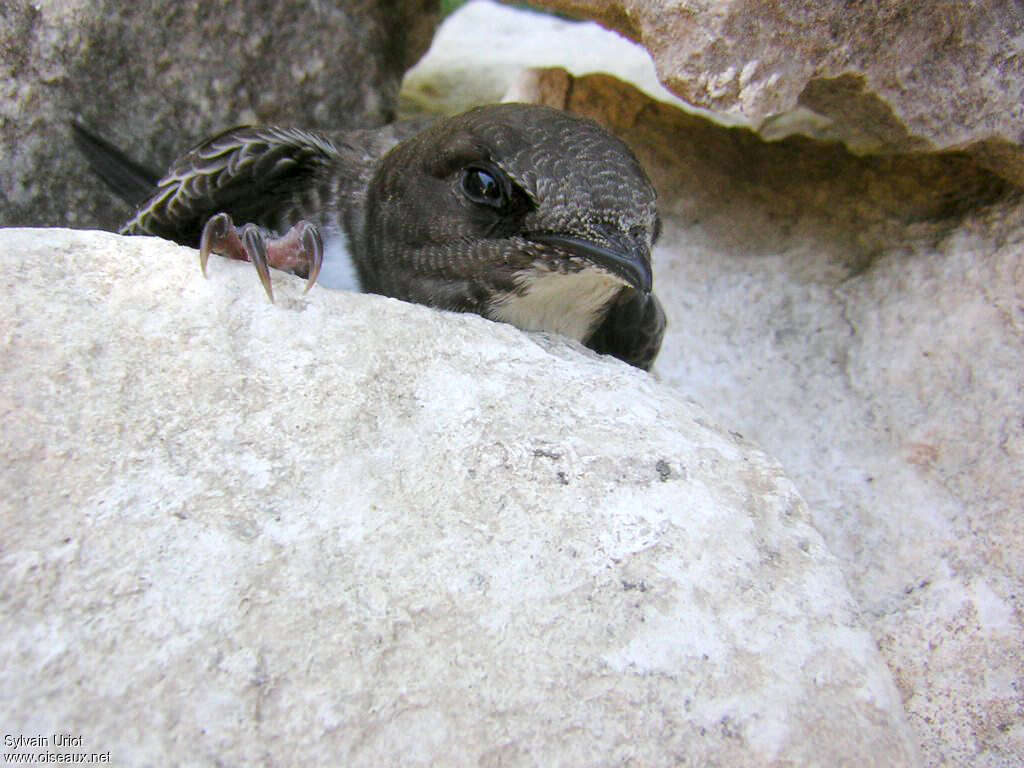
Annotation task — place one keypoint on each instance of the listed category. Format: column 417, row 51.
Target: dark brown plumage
column 520, row 213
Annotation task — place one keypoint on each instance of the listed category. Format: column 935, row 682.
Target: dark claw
column 313, row 247
column 215, row 236
column 254, row 243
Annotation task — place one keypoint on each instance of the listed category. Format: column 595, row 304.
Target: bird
column 521, row 213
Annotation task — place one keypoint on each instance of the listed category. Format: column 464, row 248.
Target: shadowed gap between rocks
column 778, row 196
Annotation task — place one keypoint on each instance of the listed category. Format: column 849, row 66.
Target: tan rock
column 885, row 77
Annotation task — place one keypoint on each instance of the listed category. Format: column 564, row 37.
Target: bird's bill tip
column 632, row 265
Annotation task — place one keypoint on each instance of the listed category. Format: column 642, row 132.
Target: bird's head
column 519, row 212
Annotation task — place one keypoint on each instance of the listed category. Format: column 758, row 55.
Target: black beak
column 632, row 264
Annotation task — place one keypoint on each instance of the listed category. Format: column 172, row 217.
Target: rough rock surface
column 863, row 319
column 896, row 75
column 159, row 75
column 343, row 525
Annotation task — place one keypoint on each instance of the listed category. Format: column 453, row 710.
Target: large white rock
column 343, row 528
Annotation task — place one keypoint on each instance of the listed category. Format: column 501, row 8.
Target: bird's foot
column 300, row 250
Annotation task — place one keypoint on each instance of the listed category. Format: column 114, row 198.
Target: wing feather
column 255, row 175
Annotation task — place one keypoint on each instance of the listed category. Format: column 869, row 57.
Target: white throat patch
column 561, row 303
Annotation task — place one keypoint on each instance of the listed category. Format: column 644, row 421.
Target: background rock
column 862, row 318
column 859, row 317
column 890, row 76
column 158, row 76
column 350, row 526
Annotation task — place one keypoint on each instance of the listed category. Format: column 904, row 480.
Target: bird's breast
column 571, row 304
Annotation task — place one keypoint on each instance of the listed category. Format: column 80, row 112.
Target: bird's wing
column 258, row 175
column 131, row 181
column 632, row 330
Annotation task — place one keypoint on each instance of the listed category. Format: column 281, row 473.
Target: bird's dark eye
column 484, row 187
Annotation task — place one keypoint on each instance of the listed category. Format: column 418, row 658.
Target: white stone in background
column 480, row 50
column 841, row 314
column 344, row 527
column 894, row 400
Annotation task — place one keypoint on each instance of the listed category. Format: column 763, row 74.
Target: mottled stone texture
column 886, row 76
column 862, row 318
column 159, row 75
column 343, row 528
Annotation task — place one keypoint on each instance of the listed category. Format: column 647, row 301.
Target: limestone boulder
column 345, row 526
column 890, row 76
column 158, row 76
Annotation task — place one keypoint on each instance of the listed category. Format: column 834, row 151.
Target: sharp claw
column 214, row 232
column 313, row 246
column 257, row 248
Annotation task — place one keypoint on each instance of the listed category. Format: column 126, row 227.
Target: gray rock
column 343, row 525
column 158, row 76
column 888, row 76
